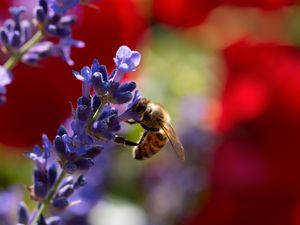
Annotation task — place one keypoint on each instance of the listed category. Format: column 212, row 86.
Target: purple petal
column 79, row 44
column 47, row 146
column 123, row 52
column 85, row 71
column 126, row 61
column 78, row 75
column 5, row 76
column 41, row 47
column 124, row 67
column 135, row 58
column 31, row 155
column 2, row 90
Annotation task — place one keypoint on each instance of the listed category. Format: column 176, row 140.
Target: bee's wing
column 173, row 138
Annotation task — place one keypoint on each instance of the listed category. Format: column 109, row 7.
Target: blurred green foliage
column 14, row 167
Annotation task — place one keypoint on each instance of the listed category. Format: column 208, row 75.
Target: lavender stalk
column 95, row 122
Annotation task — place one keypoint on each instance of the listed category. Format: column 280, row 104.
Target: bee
column 158, row 130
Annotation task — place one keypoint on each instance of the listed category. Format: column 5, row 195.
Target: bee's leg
column 149, row 128
column 122, row 140
column 143, row 137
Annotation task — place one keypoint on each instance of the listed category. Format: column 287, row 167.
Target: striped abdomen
column 150, row 144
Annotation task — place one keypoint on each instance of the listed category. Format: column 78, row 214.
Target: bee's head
column 141, row 106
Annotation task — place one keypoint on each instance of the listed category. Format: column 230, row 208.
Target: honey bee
column 158, row 130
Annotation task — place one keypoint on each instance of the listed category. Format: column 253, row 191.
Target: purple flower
column 107, row 124
column 129, row 113
column 98, row 177
column 45, row 49
column 62, row 6
column 126, row 61
column 104, row 84
column 121, row 93
column 63, row 49
column 76, row 152
column 15, row 32
column 66, row 190
column 54, row 21
column 95, row 122
column 85, row 76
column 23, row 213
column 53, row 220
column 45, row 174
column 39, row 51
column 25, row 218
column 5, row 79
column 16, row 12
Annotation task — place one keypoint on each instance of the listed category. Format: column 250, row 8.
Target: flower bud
column 4, row 36
column 84, row 163
column 66, row 191
column 16, row 39
column 52, row 175
column 60, row 203
column 60, row 146
column 23, row 213
column 81, row 181
column 40, row 14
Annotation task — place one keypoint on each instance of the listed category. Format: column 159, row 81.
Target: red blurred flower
column 255, row 178
column 4, row 9
column 266, row 4
column 38, row 98
column 182, row 13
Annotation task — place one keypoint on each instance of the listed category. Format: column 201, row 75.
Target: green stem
column 45, row 204
column 15, row 58
column 104, row 100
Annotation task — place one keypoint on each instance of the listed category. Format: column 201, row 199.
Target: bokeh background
column 228, row 71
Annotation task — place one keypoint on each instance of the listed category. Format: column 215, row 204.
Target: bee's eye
column 140, row 108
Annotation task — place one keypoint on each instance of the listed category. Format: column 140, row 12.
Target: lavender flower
column 15, row 32
column 95, row 123
column 53, row 220
column 98, row 178
column 38, row 51
column 63, row 49
column 5, row 79
column 23, row 213
column 17, row 40
column 45, row 177
column 45, row 173
column 50, row 17
column 65, row 191
column 62, row 6
column 109, row 85
column 129, row 113
column 45, row 49
column 126, row 61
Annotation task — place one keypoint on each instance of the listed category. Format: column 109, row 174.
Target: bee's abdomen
column 151, row 144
